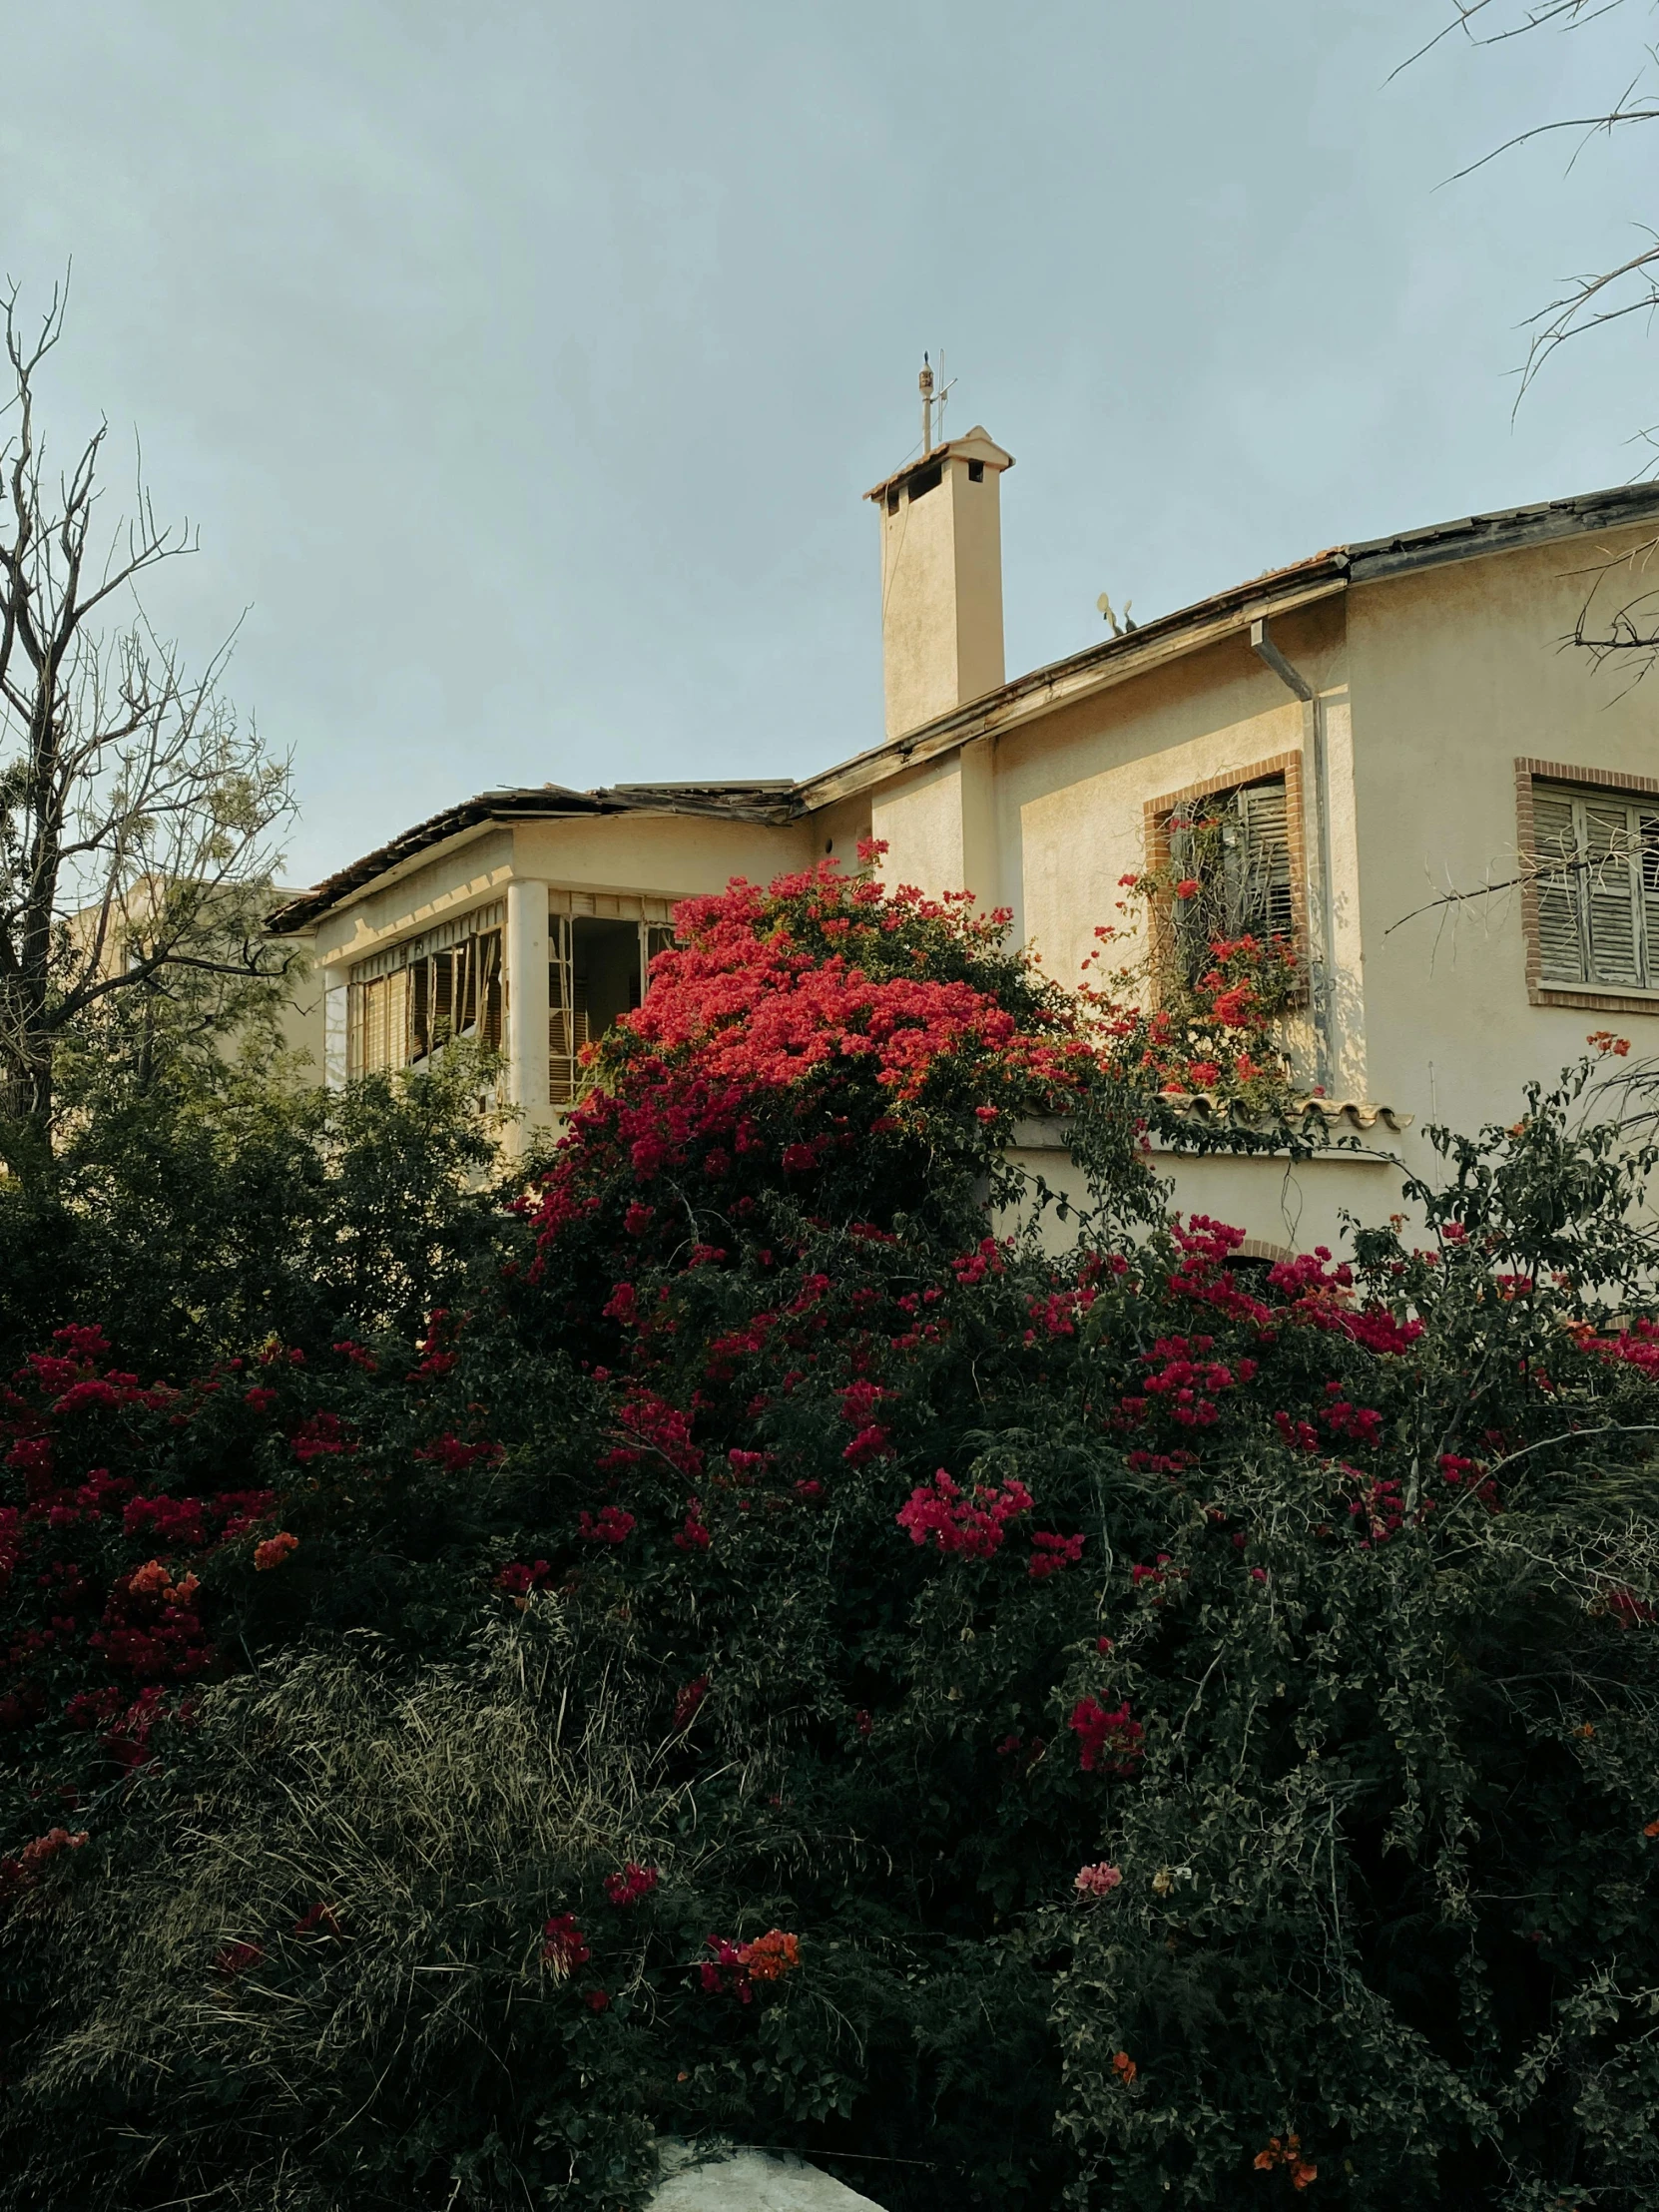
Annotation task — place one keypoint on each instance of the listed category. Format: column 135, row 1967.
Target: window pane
column 466, row 985
column 420, row 1011
column 442, row 1008
column 561, row 1027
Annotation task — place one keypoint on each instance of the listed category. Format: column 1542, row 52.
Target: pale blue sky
column 524, row 364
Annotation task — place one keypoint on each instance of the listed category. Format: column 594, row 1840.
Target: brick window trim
column 1620, row 781
column 1157, row 813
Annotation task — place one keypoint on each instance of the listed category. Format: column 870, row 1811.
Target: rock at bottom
column 751, row 2181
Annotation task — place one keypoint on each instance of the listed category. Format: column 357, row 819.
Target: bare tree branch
column 138, row 816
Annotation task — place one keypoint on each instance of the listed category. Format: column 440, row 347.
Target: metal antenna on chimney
column 943, row 395
column 924, row 384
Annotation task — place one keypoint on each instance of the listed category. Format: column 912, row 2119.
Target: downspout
column 1263, row 646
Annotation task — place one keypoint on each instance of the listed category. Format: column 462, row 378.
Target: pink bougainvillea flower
column 1112, row 1740
column 610, row 1525
column 1098, row 1880
column 631, row 1882
column 563, row 1947
column 938, row 1513
column 688, row 1701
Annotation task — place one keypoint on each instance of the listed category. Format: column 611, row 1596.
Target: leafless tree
column 1629, row 286
column 138, row 816
column 1619, row 618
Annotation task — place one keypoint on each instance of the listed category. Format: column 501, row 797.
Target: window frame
column 386, row 991
column 568, row 1033
column 1155, row 815
column 1589, row 783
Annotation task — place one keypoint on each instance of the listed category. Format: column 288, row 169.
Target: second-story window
column 1229, row 853
column 597, row 969
column 410, row 999
column 457, row 993
column 1597, row 860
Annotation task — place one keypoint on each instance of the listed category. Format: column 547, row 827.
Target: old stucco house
column 1378, row 727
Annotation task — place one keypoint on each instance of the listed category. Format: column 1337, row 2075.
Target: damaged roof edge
column 759, row 801
column 781, row 800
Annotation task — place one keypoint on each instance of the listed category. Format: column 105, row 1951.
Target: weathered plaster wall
column 941, row 590
column 1280, row 1204
column 448, row 881
column 1455, row 671
column 1072, row 790
column 668, row 855
column 939, row 823
column 659, row 856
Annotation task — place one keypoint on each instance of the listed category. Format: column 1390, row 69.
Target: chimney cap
column 976, row 445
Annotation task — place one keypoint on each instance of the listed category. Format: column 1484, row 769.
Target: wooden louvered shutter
column 1647, row 830
column 487, row 968
column 561, row 1040
column 368, row 1007
column 400, row 1043
column 374, row 1027
column 441, row 1008
column 466, row 986
column 1560, row 888
column 1610, row 895
column 1257, row 859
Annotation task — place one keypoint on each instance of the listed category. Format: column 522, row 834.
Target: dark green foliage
column 1311, row 1620
column 216, row 1208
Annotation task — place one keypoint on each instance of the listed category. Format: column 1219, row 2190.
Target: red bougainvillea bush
column 811, row 1647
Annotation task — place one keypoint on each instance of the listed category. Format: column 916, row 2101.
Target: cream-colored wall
column 1457, row 672
column 668, row 855
column 664, row 857
column 939, row 823
column 1283, row 1205
column 471, row 868
column 302, row 1014
column 836, row 832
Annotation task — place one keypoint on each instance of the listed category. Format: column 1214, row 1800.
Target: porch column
column 528, row 1008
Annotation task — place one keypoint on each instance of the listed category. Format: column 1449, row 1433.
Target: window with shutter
column 1236, row 847
column 409, row 999
column 1596, row 858
column 597, row 972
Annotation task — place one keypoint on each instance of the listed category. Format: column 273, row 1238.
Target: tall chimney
column 942, row 579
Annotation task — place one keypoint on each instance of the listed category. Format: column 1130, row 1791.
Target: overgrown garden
column 770, row 1627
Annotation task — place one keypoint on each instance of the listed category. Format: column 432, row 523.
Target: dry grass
column 440, row 1818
